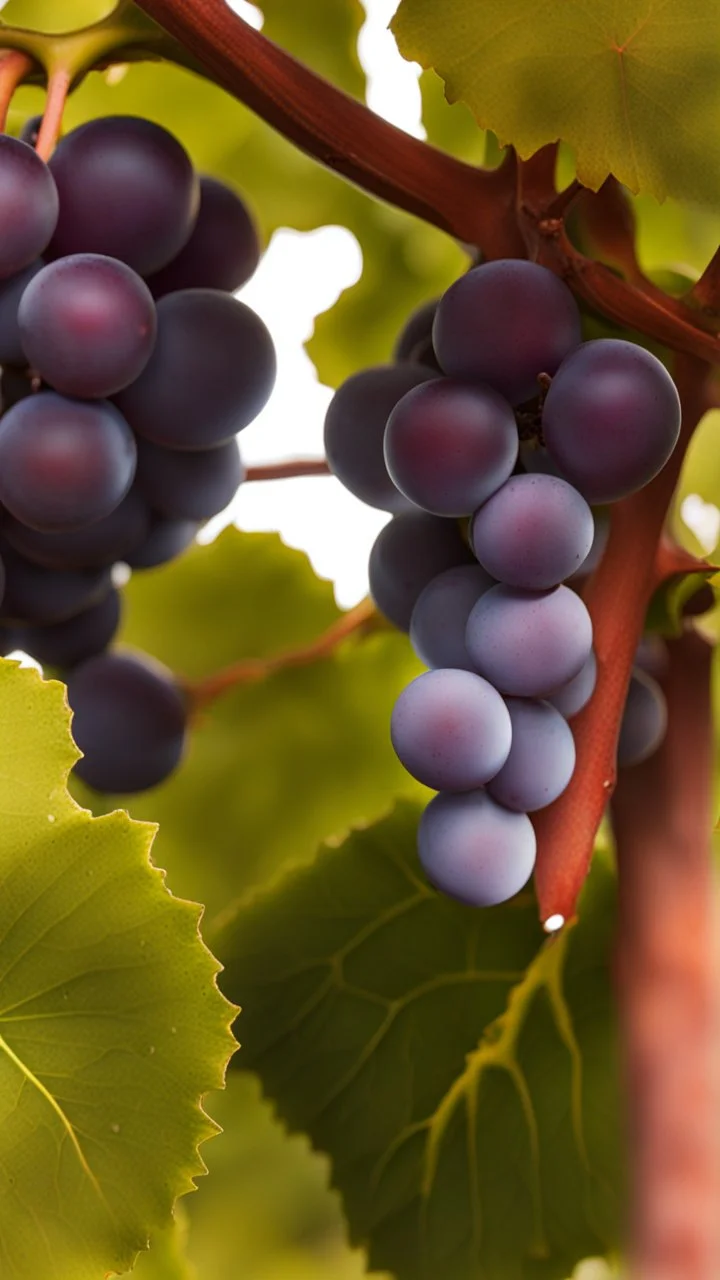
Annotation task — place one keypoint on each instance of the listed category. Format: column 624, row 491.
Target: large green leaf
column 458, row 1068
column 111, row 1025
column 277, row 766
column 632, row 88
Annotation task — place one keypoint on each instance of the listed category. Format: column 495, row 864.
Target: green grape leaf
column 458, row 1069
column 167, row 1259
column 111, row 1024
column 276, row 766
column 630, row 88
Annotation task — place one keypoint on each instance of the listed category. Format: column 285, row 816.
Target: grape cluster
column 488, row 439
column 127, row 370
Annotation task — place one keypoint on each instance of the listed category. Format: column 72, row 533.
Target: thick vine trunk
column 668, row 975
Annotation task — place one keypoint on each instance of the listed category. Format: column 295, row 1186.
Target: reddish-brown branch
column 339, row 131
column 14, row 67
column 667, row 967
column 706, row 292
column 364, row 617
column 58, row 86
column 289, row 470
column 617, row 597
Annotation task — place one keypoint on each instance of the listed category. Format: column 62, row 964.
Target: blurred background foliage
column 266, row 1213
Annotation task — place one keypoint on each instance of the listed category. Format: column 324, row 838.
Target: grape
column 11, row 291
column 28, row 205
column 35, row 594
column 570, row 698
column 475, row 850
column 87, row 325
column 541, row 760
column 504, row 323
column 189, row 486
column 211, row 372
column 611, row 418
column 65, row 644
column 93, row 547
column 406, row 554
column 10, row 640
column 439, row 619
column 652, row 656
column 414, row 343
column 451, row 730
column 355, row 429
column 223, row 250
column 533, row 532
column 644, row 720
column 449, row 446
column 127, row 189
column 529, row 643
column 166, row 540
column 64, row 463
column 597, row 550
column 129, row 720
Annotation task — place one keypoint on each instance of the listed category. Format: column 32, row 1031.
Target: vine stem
column 58, row 86
column 667, row 984
column 362, row 619
column 289, row 470
column 617, row 596
column 14, row 66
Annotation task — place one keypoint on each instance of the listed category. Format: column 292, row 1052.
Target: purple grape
column 411, row 549
column 165, row 540
column 474, row 849
column 529, row 643
column 439, row 619
column 64, row 463
column 87, row 325
column 355, row 430
column 37, row 595
column 65, row 644
column 533, row 533
column 95, row 546
column 127, row 189
column 129, row 720
column 11, row 292
column 504, row 323
column 451, row 730
column 189, row 486
column 541, row 760
column 223, row 250
column 211, row 372
column 573, row 696
column 448, row 447
column 414, row 343
column 28, row 206
column 644, row 720
column 611, row 418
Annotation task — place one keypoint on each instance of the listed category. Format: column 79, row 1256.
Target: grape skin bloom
column 529, row 643
column 474, row 849
column 451, row 730
column 533, row 533
column 541, row 760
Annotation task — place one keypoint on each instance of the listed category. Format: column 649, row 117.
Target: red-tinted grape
column 223, row 250
column 211, row 372
column 411, row 549
column 474, row 849
column 64, row 463
column 28, row 205
column 541, row 760
column 127, row 189
column 451, row 730
column 87, row 325
column 533, row 533
column 529, row 643
column 449, row 446
column 439, row 619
